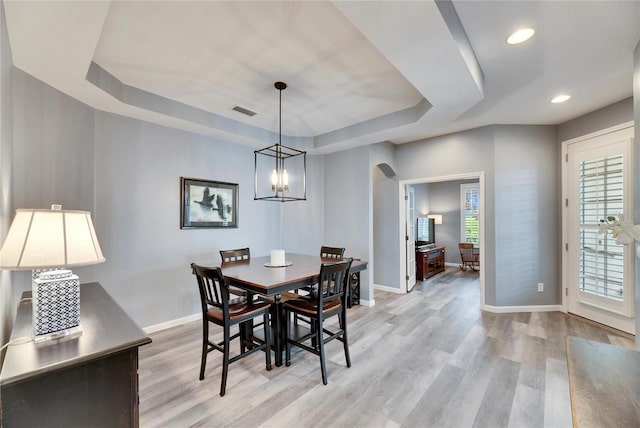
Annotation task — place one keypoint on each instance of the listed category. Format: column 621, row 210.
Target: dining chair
column 219, row 309
column 331, row 300
column 238, row 255
column 468, row 259
column 331, row 252
column 230, row 257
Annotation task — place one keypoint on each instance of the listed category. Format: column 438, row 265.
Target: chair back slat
column 213, row 290
column 238, row 255
column 334, row 278
column 331, row 252
column 466, row 251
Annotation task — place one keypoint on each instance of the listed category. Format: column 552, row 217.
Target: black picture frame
column 208, row 204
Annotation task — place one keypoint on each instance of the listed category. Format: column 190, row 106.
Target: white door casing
column 410, row 237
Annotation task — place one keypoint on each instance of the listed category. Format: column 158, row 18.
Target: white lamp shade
column 50, row 238
column 436, row 217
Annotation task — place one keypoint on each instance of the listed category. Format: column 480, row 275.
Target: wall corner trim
column 368, row 303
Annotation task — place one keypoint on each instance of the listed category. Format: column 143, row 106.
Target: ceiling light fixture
column 283, row 186
column 561, row 98
column 521, row 36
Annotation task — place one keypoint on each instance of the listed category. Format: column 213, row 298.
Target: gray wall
column 527, row 215
column 127, row 173
column 138, row 172
column 385, row 212
column 348, row 207
column 52, row 155
column 7, row 309
column 620, row 112
column 461, row 153
column 502, row 152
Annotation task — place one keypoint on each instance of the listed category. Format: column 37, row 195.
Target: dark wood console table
column 429, row 261
column 89, row 380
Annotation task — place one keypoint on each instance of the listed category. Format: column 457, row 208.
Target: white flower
column 623, row 230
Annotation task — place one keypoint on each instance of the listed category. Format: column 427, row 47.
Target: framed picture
column 206, row 204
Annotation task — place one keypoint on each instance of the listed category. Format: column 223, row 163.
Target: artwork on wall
column 206, row 204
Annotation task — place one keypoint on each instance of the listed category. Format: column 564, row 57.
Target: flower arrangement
column 622, row 229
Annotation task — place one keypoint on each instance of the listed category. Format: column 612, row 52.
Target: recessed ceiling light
column 560, row 98
column 521, row 36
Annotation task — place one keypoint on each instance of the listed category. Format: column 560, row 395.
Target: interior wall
column 385, row 210
column 52, row 155
column 608, row 116
column 527, row 209
column 303, row 221
column 348, row 208
column 7, row 306
column 456, row 154
column 138, row 214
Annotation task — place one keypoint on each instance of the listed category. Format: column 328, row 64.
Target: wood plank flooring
column 429, row 358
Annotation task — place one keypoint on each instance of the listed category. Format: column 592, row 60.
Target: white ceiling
column 358, row 72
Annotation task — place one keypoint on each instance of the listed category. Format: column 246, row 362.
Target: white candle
column 277, row 258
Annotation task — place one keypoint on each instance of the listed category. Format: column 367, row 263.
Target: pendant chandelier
column 280, row 172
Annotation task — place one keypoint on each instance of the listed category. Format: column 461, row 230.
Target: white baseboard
column 388, row 289
column 452, row 264
column 367, row 302
column 532, row 308
column 173, row 323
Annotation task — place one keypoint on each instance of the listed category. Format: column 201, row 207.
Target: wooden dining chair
column 237, row 255
column 467, row 257
column 331, row 300
column 331, row 252
column 218, row 309
column 230, row 257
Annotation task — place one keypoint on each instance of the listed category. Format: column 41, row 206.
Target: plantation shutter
column 471, row 213
column 601, row 195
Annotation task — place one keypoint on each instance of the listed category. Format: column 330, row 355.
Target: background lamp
column 436, row 217
column 46, row 241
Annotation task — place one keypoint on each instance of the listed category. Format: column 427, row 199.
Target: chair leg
column 343, row 326
column 267, row 342
column 287, row 361
column 323, row 365
column 225, row 360
column 205, row 339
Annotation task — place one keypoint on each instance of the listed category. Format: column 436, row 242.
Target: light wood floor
column 427, row 358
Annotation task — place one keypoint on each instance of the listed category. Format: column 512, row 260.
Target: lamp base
column 56, row 302
column 67, row 333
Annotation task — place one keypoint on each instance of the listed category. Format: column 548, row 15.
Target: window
column 470, row 213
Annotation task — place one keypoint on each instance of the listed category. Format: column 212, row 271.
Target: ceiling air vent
column 244, row 111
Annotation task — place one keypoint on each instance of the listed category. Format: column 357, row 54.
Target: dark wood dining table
column 255, row 276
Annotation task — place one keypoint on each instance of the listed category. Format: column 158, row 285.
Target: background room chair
column 331, row 300
column 218, row 309
column 467, row 256
column 331, row 252
column 235, row 256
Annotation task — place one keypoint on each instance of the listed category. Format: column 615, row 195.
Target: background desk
column 90, row 380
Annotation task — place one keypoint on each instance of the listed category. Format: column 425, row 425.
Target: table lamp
column 46, row 241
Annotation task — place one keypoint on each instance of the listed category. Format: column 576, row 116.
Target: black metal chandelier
column 280, row 172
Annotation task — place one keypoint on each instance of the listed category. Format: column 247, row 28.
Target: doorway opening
column 406, row 276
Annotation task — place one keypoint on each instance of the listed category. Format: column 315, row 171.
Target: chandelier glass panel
column 280, row 172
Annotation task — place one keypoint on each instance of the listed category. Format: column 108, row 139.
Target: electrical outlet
column 540, row 287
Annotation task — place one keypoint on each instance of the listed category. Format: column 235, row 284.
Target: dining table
column 258, row 277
